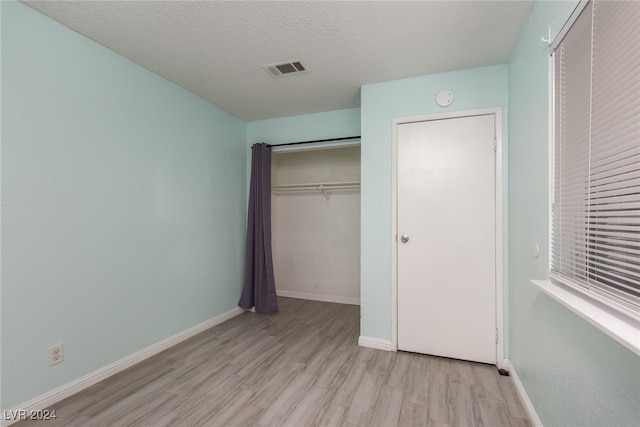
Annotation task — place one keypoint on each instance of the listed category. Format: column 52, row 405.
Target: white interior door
column 446, row 212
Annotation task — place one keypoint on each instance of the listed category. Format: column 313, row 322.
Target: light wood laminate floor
column 300, row 367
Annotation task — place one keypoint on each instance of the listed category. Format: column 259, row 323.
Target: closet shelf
column 324, row 188
column 316, row 186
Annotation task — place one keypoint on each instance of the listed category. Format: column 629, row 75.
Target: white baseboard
column 376, row 343
column 47, row 399
column 528, row 405
column 318, row 297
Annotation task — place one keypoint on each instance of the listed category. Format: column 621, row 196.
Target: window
column 595, row 194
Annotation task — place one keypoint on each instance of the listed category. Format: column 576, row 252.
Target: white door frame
column 501, row 362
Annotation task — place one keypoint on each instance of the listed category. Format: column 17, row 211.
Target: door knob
column 404, row 238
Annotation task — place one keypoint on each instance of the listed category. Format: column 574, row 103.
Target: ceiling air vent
column 285, row 68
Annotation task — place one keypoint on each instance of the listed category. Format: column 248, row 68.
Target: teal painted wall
column 381, row 103
column 306, row 127
column 573, row 373
column 123, row 200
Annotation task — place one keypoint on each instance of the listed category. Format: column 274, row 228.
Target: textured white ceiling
column 217, row 49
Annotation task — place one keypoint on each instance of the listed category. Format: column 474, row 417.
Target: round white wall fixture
column 444, row 98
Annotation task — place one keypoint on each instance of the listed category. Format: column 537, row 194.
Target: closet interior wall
column 316, row 223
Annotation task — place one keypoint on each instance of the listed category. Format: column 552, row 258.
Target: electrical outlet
column 55, row 355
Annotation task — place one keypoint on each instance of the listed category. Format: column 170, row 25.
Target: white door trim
column 497, row 112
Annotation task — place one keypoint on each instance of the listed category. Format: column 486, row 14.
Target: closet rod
column 316, row 141
column 314, row 186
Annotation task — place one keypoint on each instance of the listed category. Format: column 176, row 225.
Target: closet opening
column 315, row 216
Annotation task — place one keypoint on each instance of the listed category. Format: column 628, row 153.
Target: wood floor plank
column 464, row 410
column 248, row 416
column 416, row 387
column 465, row 373
column 275, row 383
column 229, row 413
column 319, row 360
column 160, row 418
column 259, row 361
column 126, row 413
column 306, row 346
column 388, row 407
column 123, row 389
column 487, row 382
column 399, row 370
column 330, row 416
column 334, row 371
column 309, row 406
column 281, row 409
column 380, row 362
column 413, row 414
column 438, row 393
column 510, row 396
column 347, row 389
column 364, row 398
column 198, row 409
column 300, row 367
column 206, row 378
column 495, row 413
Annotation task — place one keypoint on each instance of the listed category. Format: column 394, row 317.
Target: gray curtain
column 259, row 283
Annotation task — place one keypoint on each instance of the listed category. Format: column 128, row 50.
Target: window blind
column 595, row 211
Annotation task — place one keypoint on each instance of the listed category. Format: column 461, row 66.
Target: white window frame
column 616, row 318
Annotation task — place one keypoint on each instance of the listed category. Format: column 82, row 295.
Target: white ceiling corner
column 217, row 49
